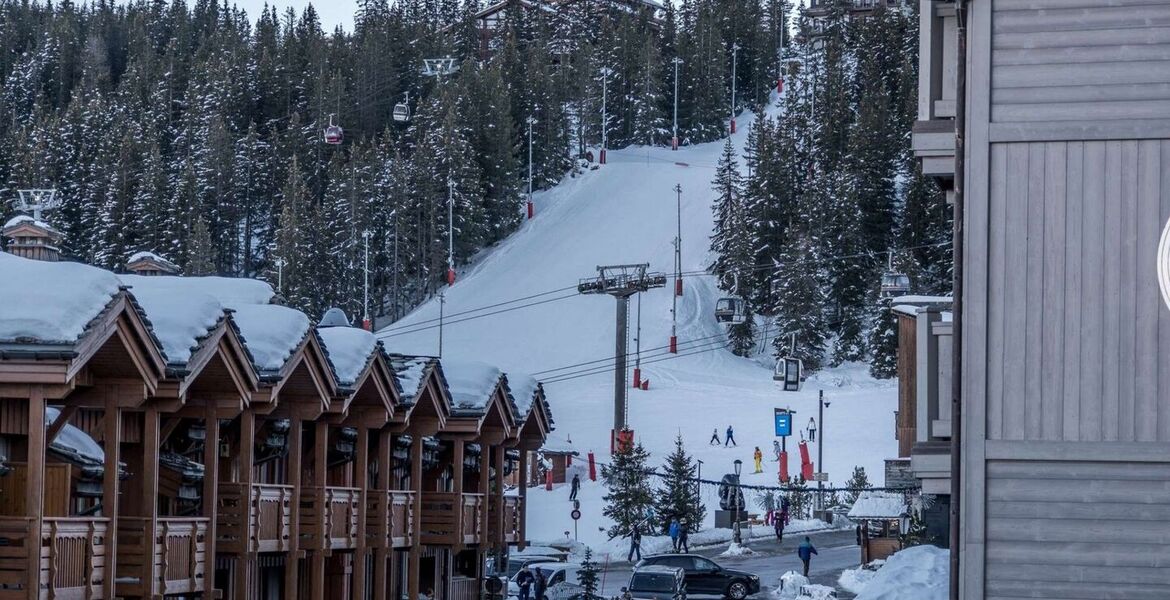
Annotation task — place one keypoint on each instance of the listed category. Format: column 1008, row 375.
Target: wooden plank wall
column 907, row 383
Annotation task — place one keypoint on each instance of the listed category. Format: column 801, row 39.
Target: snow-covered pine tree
column 799, row 307
column 679, row 494
column 733, row 245
column 859, row 481
column 200, row 259
column 799, row 499
column 587, row 578
column 883, row 342
column 630, row 495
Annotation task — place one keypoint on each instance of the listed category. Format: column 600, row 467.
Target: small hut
column 880, row 517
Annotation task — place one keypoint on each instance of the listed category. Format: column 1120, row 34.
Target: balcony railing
column 513, row 512
column 333, row 524
column 439, row 522
column 267, row 530
column 71, row 560
column 177, row 551
column 392, row 529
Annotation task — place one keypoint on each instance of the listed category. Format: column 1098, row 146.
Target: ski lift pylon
column 334, row 134
column 730, row 310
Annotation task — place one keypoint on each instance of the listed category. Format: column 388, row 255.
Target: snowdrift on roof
column 523, row 389
column 73, row 441
column 410, row 376
column 471, row 383
column 349, row 350
column 271, row 332
column 878, row 505
column 179, row 321
column 232, row 292
column 51, row 302
column 18, row 219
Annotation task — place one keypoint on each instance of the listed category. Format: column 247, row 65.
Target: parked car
column 561, row 578
column 656, row 582
column 705, row 577
column 514, row 566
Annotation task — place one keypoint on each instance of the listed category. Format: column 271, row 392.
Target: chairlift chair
column 334, row 134
column 894, row 284
column 790, row 371
column 730, row 310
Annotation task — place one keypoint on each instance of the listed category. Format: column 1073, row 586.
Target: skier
column 805, row 551
column 575, row 486
column 673, row 531
column 730, row 439
column 524, row 581
column 759, row 457
column 776, row 449
column 635, row 545
column 715, row 441
column 682, row 538
column 542, row 583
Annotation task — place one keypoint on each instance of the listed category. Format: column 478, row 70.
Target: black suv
column 704, row 577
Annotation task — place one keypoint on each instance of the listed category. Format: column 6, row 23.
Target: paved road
column 838, row 551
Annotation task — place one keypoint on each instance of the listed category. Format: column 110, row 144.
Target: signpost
column 820, row 477
column 576, row 515
column 782, row 419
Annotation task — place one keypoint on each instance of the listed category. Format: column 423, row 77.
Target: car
column 705, row 577
column 561, row 578
column 655, row 582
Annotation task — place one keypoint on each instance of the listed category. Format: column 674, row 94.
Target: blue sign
column 783, row 423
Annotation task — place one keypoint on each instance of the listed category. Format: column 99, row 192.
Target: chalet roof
column 271, row 333
column 878, row 505
column 179, row 321
column 559, row 446
column 51, row 302
column 231, row 292
column 146, row 256
column 410, row 372
column 524, row 389
column 472, row 384
column 350, row 350
column 19, row 220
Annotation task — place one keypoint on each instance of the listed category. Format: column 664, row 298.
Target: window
column 652, row 582
column 702, row 564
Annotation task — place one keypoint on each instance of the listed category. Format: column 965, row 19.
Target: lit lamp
column 904, row 523
column 812, row 430
column 735, row 502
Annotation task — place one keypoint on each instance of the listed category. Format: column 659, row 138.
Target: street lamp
column 734, row 55
column 450, row 231
column 674, row 140
column 821, row 406
column 605, row 73
column 366, row 276
column 531, row 121
column 735, row 502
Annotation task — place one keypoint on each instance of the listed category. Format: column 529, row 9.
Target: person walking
column 805, row 551
column 524, row 580
column 776, row 449
column 575, row 486
column 715, row 441
column 682, row 538
column 759, row 457
column 778, row 526
column 635, row 545
column 541, row 583
column 730, row 437
column 673, row 530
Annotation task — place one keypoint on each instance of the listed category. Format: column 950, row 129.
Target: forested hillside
column 195, row 131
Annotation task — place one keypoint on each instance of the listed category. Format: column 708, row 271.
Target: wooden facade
column 219, row 475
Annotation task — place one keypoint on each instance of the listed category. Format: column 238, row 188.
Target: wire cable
column 567, row 377
column 628, row 354
column 473, row 317
column 392, row 328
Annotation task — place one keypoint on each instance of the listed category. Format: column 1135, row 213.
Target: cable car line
column 406, row 331
column 610, row 369
column 392, row 329
column 612, row 357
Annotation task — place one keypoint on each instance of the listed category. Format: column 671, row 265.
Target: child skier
column 759, row 458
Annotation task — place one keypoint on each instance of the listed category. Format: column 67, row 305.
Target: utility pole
column 821, row 404
column 621, row 282
column 450, row 231
column 442, row 302
column 674, row 140
column 366, row 276
column 531, row 121
column 394, row 214
column 605, row 72
column 638, row 346
column 734, row 55
column 677, row 272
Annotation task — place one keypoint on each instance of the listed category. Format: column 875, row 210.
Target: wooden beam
column 295, row 468
column 243, row 469
column 168, row 427
column 498, row 453
column 112, row 447
column 457, row 476
column 317, row 559
column 413, row 568
column 67, row 413
column 210, row 496
column 384, row 550
column 522, row 481
column 485, row 453
column 361, row 482
column 149, row 502
column 34, row 492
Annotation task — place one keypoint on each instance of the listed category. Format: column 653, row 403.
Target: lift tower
column 621, row 282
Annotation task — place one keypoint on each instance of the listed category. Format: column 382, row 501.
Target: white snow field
column 624, row 212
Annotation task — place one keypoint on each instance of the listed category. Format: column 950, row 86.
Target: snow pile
column 471, row 383
column 51, row 302
column 918, row 573
column 73, row 441
column 349, row 350
column 232, row 292
column 178, row 320
column 272, row 333
column 790, row 584
column 855, row 580
column 737, row 550
column 816, row 591
column 878, row 505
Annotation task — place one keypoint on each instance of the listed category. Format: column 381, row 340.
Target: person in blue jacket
column 730, row 437
column 673, row 530
column 806, row 551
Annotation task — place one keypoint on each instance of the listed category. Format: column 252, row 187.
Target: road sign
column 576, row 514
column 820, row 477
column 783, row 422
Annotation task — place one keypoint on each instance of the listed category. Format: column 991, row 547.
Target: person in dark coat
column 806, row 551
column 635, row 545
column 575, row 486
column 524, row 581
column 778, row 526
column 540, row 584
column 730, row 437
column 682, row 538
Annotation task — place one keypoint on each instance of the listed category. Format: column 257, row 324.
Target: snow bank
column 179, row 320
column 816, row 591
column 349, row 350
column 471, row 383
column 232, row 292
column 878, row 505
column 737, row 550
column 51, row 302
column 272, row 333
column 855, row 580
column 790, row 584
column 918, row 573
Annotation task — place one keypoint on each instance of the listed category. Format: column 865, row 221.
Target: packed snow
column 471, row 383
column 179, row 321
column 735, row 549
column 232, row 292
column 349, row 350
column 271, row 332
column 51, row 302
column 855, row 580
column 917, row 573
column 409, row 372
column 878, row 505
column 790, row 584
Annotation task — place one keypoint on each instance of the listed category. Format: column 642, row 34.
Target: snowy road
column 838, row 551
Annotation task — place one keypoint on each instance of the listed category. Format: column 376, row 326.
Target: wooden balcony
column 513, row 507
column 394, row 528
column 332, row 525
column 72, row 557
column 270, row 509
column 438, row 518
column 176, row 549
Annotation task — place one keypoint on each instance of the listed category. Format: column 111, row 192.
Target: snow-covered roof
column 73, row 441
column 51, row 302
column 179, row 320
column 471, row 383
column 151, row 256
column 271, row 332
column 409, row 371
column 916, row 299
column 22, row 219
column 559, row 445
column 349, row 350
column 906, row 309
column 523, row 388
column 878, row 505
column 232, row 292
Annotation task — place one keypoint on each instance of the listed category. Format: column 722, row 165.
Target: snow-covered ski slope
column 624, row 212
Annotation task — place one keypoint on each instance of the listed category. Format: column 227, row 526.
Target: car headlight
column 755, row 577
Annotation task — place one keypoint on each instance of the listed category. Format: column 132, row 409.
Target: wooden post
column 112, row 447
column 413, row 568
column 499, row 542
column 292, row 562
column 244, row 564
column 210, row 496
column 384, row 550
column 361, row 482
column 485, row 461
column 149, row 502
column 320, row 461
column 34, row 493
column 457, row 476
column 522, row 481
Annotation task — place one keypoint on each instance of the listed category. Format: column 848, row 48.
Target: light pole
column 531, row 121
column 821, row 405
column 366, row 277
column 735, row 502
column 734, row 55
column 677, row 272
column 674, row 140
column 450, row 231
column 605, row 72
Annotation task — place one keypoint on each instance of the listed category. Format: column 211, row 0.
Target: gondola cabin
column 790, row 372
column 895, row 284
column 401, row 112
column 730, row 310
column 334, row 134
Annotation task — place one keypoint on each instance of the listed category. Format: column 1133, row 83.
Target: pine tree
column 587, row 578
column 799, row 499
column 679, row 496
column 859, row 481
column 799, row 304
column 630, row 496
column 883, row 343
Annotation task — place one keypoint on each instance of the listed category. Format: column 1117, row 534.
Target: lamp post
column 366, row 282
column 735, row 502
column 674, row 139
column 450, row 231
column 734, row 56
column 531, row 121
column 605, row 72
column 821, row 406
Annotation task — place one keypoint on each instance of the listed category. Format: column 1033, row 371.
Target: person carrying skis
column 730, row 438
column 575, row 486
column 806, row 551
column 715, row 441
column 673, row 531
column 776, row 449
column 759, row 458
column 524, row 580
column 635, row 545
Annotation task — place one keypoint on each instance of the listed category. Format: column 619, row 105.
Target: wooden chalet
column 175, row 436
